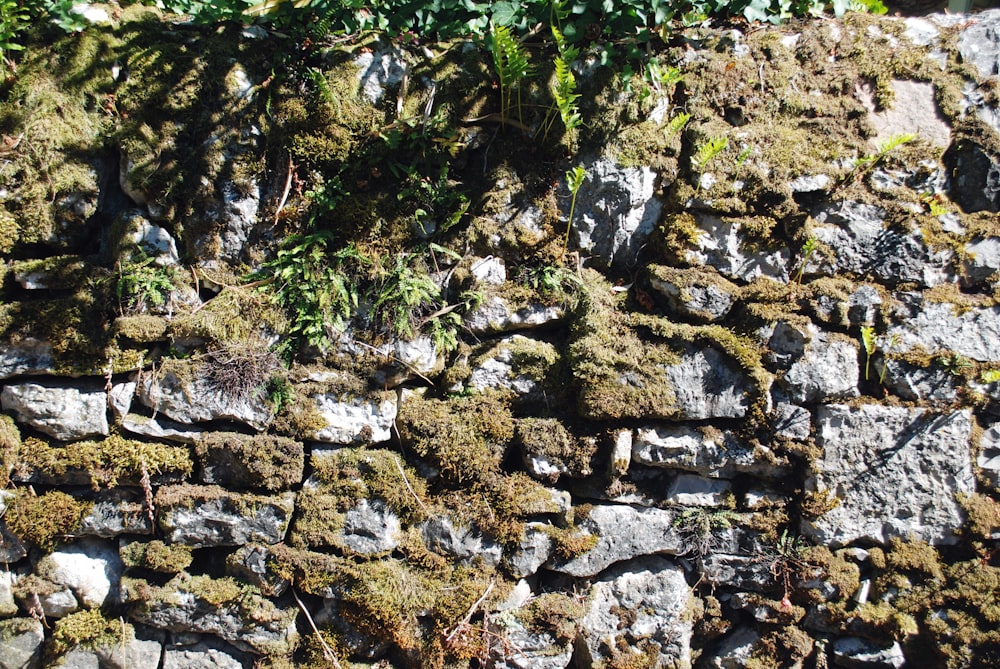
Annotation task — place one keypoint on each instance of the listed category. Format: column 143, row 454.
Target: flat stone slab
column 895, row 472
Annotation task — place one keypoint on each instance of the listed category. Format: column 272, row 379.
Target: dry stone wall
column 746, row 415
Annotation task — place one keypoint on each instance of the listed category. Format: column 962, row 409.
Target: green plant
column 142, row 284
column 510, row 59
column 708, row 151
column 677, row 123
column 869, row 161
column 870, row 343
column 808, row 248
column 550, row 280
column 313, row 285
column 14, row 17
column 406, row 298
column 574, row 179
column 698, row 525
column 990, row 375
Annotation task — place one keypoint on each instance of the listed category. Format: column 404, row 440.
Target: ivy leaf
column 504, row 13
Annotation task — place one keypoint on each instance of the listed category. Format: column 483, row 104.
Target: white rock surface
column 64, row 412
column 90, row 568
column 355, row 419
column 895, row 472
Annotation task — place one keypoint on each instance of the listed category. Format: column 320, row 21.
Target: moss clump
column 50, row 181
column 250, row 461
column 88, row 629
column 55, row 273
column 234, row 316
column 10, row 446
column 983, row 515
column 142, row 329
column 549, row 439
column 554, row 613
column 465, row 437
column 107, row 462
column 45, row 520
column 359, row 473
column 839, row 571
column 785, row 647
column 157, row 556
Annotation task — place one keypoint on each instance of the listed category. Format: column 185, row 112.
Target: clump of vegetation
column 45, row 520
column 89, row 629
column 106, row 462
column 245, row 461
column 157, row 556
column 548, row 438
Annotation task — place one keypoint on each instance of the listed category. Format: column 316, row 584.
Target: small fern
column 870, row 343
column 677, row 123
column 574, row 179
column 708, row 151
column 511, row 62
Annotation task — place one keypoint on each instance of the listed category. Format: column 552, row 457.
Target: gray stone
column 202, row 516
column 862, row 244
column 791, row 421
column 914, row 382
column 623, row 533
column 90, row 568
column 940, row 327
column 707, row 452
column 644, row 599
column 979, row 43
column 975, row 170
column 78, row 658
column 988, row 459
column 250, row 563
column 534, row 550
column 810, row 183
column 691, row 490
column 692, row 293
column 410, row 359
column 21, row 642
column 500, row 367
column 489, row 270
column 524, row 648
column 64, row 412
column 828, row 369
column 370, row 528
column 895, row 472
column 981, row 259
column 913, row 110
column 379, row 71
column 734, row 651
column 182, row 392
column 26, row 356
column 616, row 211
column 56, row 603
column 120, row 399
column 466, row 544
column 863, row 305
column 496, row 314
column 160, row 427
column 246, row 620
column 857, row 653
column 8, row 606
column 205, row 654
column 154, row 242
column 354, row 419
column 115, row 512
column 141, row 652
column 706, row 385
column 722, row 246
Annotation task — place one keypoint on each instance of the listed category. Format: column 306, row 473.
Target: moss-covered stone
column 249, row 461
column 107, row 463
column 44, row 520
column 88, row 629
column 157, row 556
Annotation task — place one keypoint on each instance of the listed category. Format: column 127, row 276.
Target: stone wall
column 747, row 416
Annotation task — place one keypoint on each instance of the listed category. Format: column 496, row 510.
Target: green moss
column 983, row 514
column 554, row 613
column 250, row 461
column 233, row 316
column 143, row 329
column 88, row 630
column 360, row 473
column 45, row 520
column 548, row 438
column 55, row 273
column 10, row 446
column 108, row 461
column 465, row 437
column 838, row 570
column 915, row 558
column 157, row 556
column 784, row 647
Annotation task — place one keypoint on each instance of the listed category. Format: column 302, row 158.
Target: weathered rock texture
column 299, row 332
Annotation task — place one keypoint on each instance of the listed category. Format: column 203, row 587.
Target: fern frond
column 709, row 150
